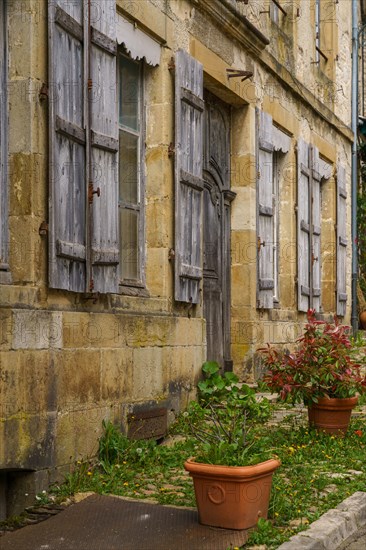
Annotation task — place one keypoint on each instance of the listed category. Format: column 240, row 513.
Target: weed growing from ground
column 318, row 471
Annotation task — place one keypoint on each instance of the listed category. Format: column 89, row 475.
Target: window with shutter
column 341, row 241
column 304, row 180
column 189, row 106
column 272, row 144
column 4, row 267
column 83, row 244
column 265, row 211
column 312, row 172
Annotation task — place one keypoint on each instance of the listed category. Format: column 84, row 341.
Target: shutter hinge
column 43, row 92
column 92, row 191
column 171, row 64
column 91, row 285
column 171, row 150
column 171, row 254
column 260, row 243
column 43, row 229
column 90, row 84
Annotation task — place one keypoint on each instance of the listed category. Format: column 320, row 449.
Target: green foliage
column 326, row 363
column 221, row 421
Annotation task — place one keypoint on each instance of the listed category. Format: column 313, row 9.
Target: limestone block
column 159, row 178
column 159, row 223
column 153, row 19
column 159, row 277
column 243, row 171
column 27, row 189
column 147, row 373
column 6, row 323
column 116, row 374
column 36, row 329
column 243, row 285
column 243, row 143
column 243, row 209
column 160, row 125
column 91, row 330
column 77, row 433
column 232, row 91
column 77, row 374
column 26, row 249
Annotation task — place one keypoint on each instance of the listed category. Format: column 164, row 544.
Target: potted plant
column 232, row 468
column 323, row 372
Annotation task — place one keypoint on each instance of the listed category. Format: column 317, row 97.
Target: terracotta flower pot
column 332, row 415
column 362, row 317
column 232, row 497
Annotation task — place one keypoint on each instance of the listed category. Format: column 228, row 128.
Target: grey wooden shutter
column 68, row 126
column 3, row 147
column 315, row 255
column 265, row 213
column 341, row 241
column 303, row 225
column 189, row 107
column 103, row 182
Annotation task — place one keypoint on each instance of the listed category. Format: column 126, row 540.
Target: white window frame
column 139, row 205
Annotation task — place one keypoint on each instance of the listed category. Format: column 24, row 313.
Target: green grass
column 304, row 487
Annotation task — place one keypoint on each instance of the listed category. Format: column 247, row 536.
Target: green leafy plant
column 324, row 364
column 221, row 421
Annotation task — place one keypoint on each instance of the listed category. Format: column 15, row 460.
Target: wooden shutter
column 303, row 225
column 68, row 128
column 341, row 241
column 103, row 177
column 3, row 146
column 189, row 108
column 265, row 211
column 315, row 256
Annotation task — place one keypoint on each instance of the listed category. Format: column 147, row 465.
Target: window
column 4, row 267
column 312, row 172
column 130, row 201
column 272, row 145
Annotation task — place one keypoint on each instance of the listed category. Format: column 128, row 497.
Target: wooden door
column 216, row 230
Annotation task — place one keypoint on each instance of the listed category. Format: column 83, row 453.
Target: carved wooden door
column 216, row 230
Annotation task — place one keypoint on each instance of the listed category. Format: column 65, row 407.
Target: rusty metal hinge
column 92, row 191
column 171, row 254
column 43, row 229
column 171, row 64
column 43, row 92
column 171, row 150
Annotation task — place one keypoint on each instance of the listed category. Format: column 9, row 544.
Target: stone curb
column 333, row 527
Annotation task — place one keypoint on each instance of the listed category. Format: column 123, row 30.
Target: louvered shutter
column 303, row 225
column 68, row 126
column 315, row 256
column 189, row 106
column 104, row 147
column 265, row 211
column 341, row 241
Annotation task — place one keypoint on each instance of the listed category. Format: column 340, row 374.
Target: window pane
column 129, row 93
column 129, row 227
column 128, row 168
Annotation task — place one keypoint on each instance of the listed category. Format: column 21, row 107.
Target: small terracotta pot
column 232, row 497
column 362, row 318
column 332, row 415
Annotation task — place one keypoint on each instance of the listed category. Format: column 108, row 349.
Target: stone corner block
column 37, row 330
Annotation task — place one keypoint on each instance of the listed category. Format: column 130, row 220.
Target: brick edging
column 333, row 527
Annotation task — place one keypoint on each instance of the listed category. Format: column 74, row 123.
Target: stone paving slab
column 111, row 523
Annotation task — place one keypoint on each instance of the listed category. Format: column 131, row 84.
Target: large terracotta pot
column 232, row 497
column 332, row 415
column 362, row 317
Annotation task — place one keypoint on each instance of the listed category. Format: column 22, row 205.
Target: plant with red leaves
column 322, row 365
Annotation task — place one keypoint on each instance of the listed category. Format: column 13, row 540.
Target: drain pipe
column 354, row 124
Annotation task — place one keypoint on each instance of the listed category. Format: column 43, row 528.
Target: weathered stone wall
column 67, row 363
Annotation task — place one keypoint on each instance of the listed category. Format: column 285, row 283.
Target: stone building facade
column 175, row 186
